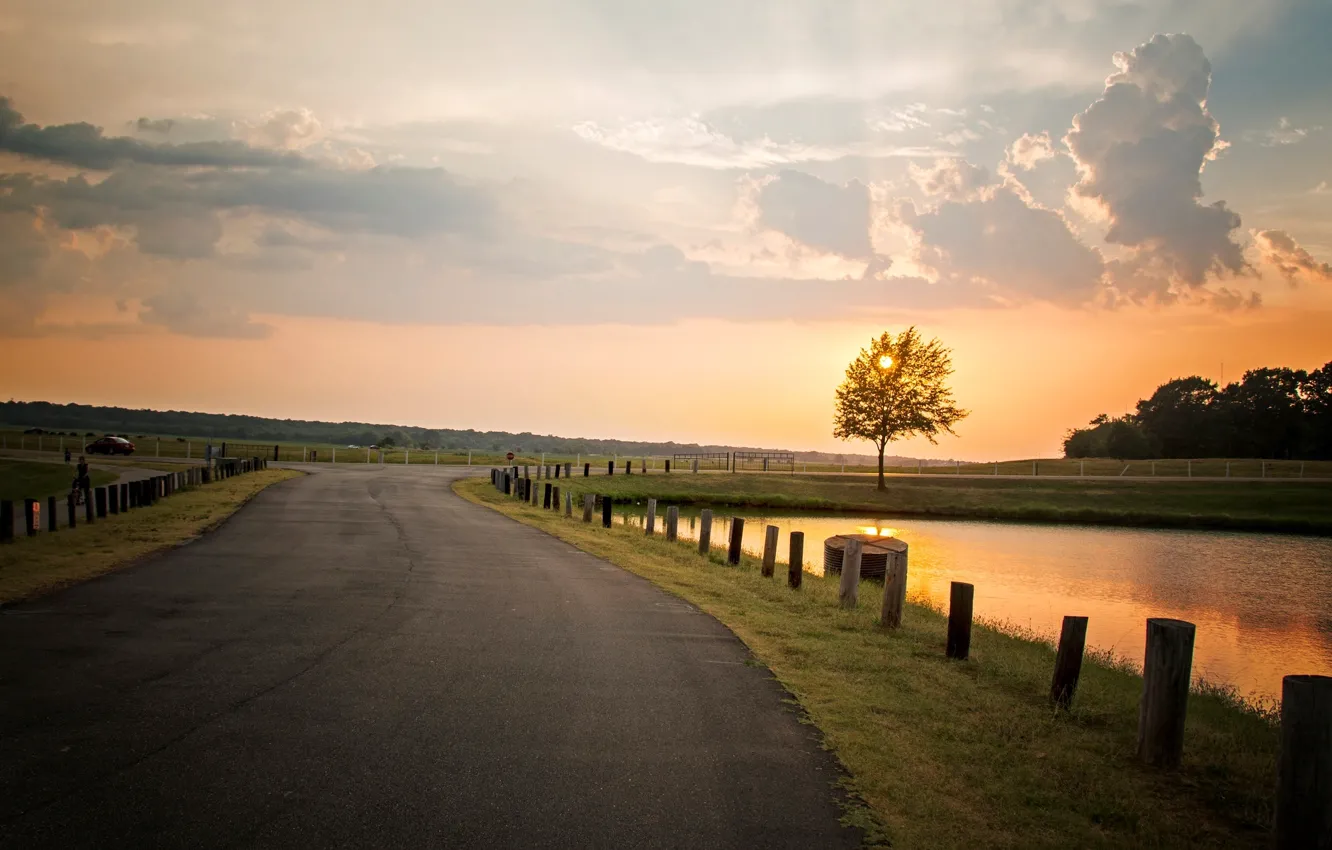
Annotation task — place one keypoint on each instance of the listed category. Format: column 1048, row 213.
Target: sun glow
column 878, row 531
column 885, row 361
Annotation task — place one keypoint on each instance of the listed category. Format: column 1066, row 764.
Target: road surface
column 361, row 658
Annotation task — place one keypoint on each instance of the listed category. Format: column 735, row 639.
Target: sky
column 662, row 221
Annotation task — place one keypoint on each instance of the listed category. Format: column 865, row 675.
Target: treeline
column 1269, row 413
column 220, row 426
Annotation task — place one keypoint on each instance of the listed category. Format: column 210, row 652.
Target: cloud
column 1280, row 250
column 692, row 141
column 1030, row 150
column 287, row 129
column 84, row 146
column 1018, row 250
column 951, row 179
column 819, row 214
column 1286, row 134
column 183, row 311
column 1140, row 151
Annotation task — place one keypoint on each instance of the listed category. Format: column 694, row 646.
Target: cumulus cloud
column 1140, row 150
column 288, row 129
column 692, row 141
column 85, row 146
column 1019, row 250
column 951, row 179
column 1030, row 150
column 1280, row 250
column 1286, row 134
column 819, row 214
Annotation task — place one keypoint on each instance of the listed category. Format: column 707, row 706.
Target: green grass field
column 1302, row 507
column 21, row 480
column 33, row 566
column 970, row 754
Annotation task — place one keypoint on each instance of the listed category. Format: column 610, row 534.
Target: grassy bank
column 21, row 480
column 969, row 754
column 33, row 566
column 1301, row 507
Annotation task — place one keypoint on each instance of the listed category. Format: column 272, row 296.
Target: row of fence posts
column 1303, row 810
column 114, row 499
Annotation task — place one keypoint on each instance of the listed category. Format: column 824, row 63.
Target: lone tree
column 896, row 388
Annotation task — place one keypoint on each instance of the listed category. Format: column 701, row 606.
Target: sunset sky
column 659, row 220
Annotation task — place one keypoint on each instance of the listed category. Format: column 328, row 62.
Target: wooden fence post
column 849, row 588
column 737, row 535
column 1166, row 671
column 650, row 521
column 587, row 470
column 605, row 511
column 71, row 511
column 1304, row 769
column 589, row 501
column 795, row 567
column 30, row 521
column 672, row 524
column 610, row 467
column 894, row 591
column 88, row 505
column 51, row 513
column 6, row 521
column 1068, row 661
column 769, row 551
column 555, row 499
column 568, row 503
column 705, row 531
column 101, row 502
column 960, row 598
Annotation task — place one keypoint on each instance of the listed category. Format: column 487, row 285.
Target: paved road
column 361, row 658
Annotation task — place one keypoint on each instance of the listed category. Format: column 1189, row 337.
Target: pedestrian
column 66, row 457
column 84, row 480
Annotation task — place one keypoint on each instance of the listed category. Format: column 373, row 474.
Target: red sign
column 509, row 455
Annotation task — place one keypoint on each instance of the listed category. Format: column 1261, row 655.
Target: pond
column 1262, row 602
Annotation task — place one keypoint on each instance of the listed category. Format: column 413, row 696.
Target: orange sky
column 1027, row 374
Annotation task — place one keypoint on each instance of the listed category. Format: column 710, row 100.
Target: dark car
column 109, row 446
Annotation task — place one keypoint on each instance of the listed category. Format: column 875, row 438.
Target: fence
column 1304, row 782
column 98, row 503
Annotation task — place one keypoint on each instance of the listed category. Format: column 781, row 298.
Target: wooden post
column 71, row 511
column 568, row 503
column 705, row 531
column 695, row 465
column 605, row 511
column 894, row 591
column 51, row 513
column 30, row 518
column 101, row 502
column 628, row 467
column 650, row 521
column 1166, row 670
column 737, row 535
column 769, row 551
column 587, row 470
column 88, row 505
column 795, row 564
column 555, row 499
column 849, row 588
column 960, row 598
column 6, row 521
column 1304, row 769
column 668, row 467
column 672, row 524
column 610, row 467
column 588, row 501
column 546, row 500
column 1068, row 661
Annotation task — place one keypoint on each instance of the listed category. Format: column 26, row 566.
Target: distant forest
column 120, row 420
column 1269, row 413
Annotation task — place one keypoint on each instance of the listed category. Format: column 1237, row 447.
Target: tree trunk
column 882, row 446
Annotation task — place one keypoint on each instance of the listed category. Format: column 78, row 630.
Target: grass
column 963, row 754
column 38, row 565
column 21, row 480
column 1301, row 507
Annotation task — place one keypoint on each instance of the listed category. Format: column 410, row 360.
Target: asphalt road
column 361, row 658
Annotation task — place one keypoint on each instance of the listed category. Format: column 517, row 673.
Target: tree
column 1181, row 416
column 896, row 388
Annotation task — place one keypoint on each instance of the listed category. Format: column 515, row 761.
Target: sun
column 885, row 361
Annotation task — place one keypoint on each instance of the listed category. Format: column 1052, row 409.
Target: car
column 109, row 446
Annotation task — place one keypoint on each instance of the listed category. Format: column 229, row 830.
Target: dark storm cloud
column 85, row 146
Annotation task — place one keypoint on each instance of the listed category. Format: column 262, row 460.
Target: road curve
column 361, row 658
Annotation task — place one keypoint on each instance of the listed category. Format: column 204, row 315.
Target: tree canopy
column 894, row 389
column 1269, row 413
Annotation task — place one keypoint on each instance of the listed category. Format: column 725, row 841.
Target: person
column 66, row 457
column 84, row 481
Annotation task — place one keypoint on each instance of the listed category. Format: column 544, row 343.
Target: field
column 33, row 566
column 177, row 446
column 21, row 480
column 963, row 754
column 1302, row 507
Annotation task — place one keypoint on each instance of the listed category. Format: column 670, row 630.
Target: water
column 1262, row 602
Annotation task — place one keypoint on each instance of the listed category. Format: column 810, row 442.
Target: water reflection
column 1262, row 602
